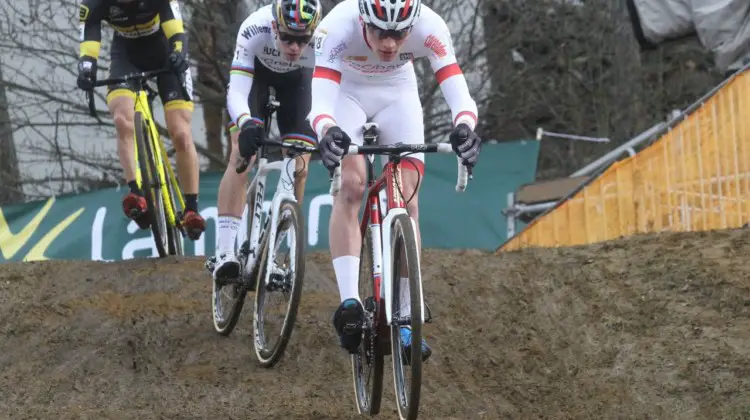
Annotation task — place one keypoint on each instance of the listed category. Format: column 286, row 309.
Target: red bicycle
column 387, row 255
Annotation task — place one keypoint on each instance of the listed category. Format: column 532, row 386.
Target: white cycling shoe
column 226, row 266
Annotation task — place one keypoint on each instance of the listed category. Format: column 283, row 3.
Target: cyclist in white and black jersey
column 273, row 50
column 364, row 51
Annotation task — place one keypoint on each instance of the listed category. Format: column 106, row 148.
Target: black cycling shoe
column 348, row 321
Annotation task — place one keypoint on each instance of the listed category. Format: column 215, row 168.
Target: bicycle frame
column 143, row 102
column 284, row 191
column 390, row 180
column 144, row 97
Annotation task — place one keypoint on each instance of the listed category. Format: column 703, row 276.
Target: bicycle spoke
column 279, row 286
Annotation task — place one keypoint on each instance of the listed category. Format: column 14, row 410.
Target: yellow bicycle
column 154, row 173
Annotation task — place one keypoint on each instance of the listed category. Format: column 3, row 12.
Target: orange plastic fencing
column 695, row 177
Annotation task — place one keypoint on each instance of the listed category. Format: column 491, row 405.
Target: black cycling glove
column 86, row 73
column 333, row 146
column 466, row 144
column 251, row 137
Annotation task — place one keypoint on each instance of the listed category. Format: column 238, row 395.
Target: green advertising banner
column 92, row 226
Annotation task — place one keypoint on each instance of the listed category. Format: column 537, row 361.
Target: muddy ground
column 655, row 327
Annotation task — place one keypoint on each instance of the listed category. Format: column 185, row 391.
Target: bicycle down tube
column 284, row 190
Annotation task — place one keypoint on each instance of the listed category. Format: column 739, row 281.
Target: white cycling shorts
column 392, row 104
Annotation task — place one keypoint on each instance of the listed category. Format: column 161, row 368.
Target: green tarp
column 92, row 225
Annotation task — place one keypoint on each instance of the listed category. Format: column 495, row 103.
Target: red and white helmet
column 390, row 14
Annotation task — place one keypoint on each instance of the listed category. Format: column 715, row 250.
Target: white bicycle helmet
column 390, row 14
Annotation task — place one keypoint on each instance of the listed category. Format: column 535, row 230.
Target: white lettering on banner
column 313, row 219
column 140, row 244
column 145, row 243
column 97, row 235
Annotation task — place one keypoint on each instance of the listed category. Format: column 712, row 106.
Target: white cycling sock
column 229, row 226
column 347, row 276
column 405, row 301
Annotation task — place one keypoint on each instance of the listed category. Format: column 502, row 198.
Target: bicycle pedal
column 245, row 248
column 210, row 264
column 369, row 304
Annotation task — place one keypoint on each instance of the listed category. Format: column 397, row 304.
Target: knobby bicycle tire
column 149, row 185
column 370, row 356
column 268, row 357
column 230, row 321
column 248, row 284
column 405, row 239
column 174, row 235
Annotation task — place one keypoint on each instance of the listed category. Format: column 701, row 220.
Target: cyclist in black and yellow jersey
column 148, row 35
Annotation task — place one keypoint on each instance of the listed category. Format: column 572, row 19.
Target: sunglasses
column 388, row 33
column 300, row 40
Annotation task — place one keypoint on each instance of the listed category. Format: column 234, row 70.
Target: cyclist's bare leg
column 179, row 115
column 231, row 199
column 343, row 229
column 179, row 119
column 231, row 204
column 121, row 106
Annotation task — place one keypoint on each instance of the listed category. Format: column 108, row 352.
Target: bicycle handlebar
column 464, row 171
column 140, row 76
column 294, row 146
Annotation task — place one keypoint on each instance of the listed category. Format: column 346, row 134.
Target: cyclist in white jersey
column 364, row 72
column 273, row 50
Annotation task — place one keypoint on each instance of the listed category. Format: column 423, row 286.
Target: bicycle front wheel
column 151, row 184
column 367, row 364
column 280, row 278
column 406, row 312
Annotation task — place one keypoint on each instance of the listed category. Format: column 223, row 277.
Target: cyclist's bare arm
column 242, row 71
column 438, row 47
column 90, row 15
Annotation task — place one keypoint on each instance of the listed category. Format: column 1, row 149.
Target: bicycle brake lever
column 242, row 166
column 92, row 106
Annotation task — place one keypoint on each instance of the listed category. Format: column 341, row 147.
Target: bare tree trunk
column 9, row 174
column 212, row 29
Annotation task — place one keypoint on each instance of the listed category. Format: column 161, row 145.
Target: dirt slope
column 652, row 327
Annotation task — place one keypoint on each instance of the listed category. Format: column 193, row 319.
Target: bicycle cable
column 295, row 172
column 419, row 179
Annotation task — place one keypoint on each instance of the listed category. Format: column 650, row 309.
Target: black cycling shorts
column 293, row 92
column 147, row 54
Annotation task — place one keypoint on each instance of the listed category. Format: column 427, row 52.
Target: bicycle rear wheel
column 367, row 364
column 407, row 366
column 150, row 184
column 228, row 295
column 285, row 279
